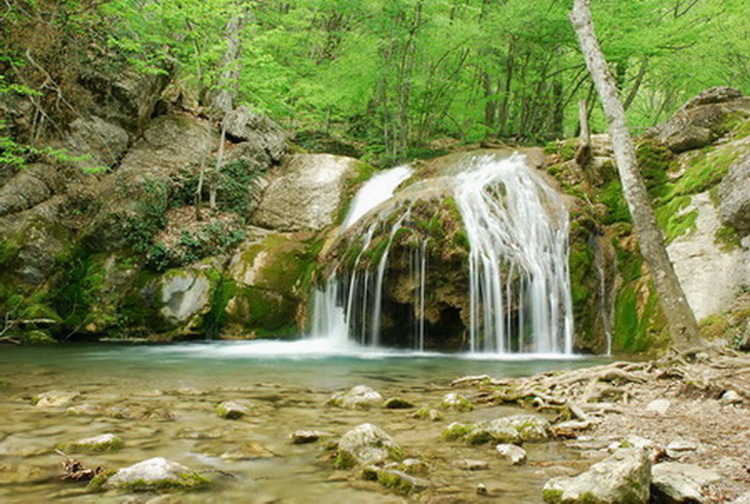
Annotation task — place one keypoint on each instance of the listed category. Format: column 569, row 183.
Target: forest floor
column 699, row 399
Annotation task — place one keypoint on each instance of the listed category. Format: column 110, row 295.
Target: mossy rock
column 397, row 403
column 97, row 444
column 456, row 402
column 156, row 475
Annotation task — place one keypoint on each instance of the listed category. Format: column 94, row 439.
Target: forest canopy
column 395, row 78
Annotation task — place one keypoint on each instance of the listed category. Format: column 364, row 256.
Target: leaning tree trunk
column 679, row 315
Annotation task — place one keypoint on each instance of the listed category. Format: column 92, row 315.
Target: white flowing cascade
column 519, row 287
column 517, row 227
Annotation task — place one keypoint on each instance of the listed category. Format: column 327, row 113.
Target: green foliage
column 613, row 199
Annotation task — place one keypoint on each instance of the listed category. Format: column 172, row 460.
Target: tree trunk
column 223, row 101
column 679, row 315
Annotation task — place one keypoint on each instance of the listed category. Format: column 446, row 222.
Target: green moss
column 565, row 149
column 344, row 460
column 39, row 337
column 705, row 169
column 114, row 444
column 727, row 239
column 674, row 223
column 552, row 495
column 612, row 198
column 456, row 431
column 396, row 481
column 638, row 324
column 654, row 162
column 184, row 482
column 98, row 482
column 397, row 403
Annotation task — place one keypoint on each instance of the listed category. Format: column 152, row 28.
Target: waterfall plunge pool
column 160, row 400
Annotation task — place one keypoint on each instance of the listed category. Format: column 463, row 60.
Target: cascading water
column 518, row 286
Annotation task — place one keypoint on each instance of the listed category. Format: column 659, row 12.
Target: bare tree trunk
column 679, row 315
column 223, row 101
column 583, row 154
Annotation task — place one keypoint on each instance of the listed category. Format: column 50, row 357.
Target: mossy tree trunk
column 679, row 315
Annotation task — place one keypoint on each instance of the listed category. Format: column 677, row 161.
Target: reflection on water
column 161, row 399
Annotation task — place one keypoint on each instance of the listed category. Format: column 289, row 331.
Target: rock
column 673, row 482
column 102, row 443
column 710, row 276
column 102, row 143
column 401, row 482
column 411, row 466
column 54, row 399
column 248, row 451
column 428, row 414
column 260, row 133
column 659, row 406
column 731, row 397
column 367, row 444
column 85, row 409
column 306, row 193
column 184, row 295
column 307, row 436
column 570, row 429
column 701, row 119
column 515, row 454
column 232, row 410
column 456, row 402
column 359, row 397
column 624, row 477
column 472, row 465
column 482, row 432
column 31, row 186
column 680, row 448
column 156, row 474
column 734, row 195
column 397, row 403
column 529, row 427
column 482, row 489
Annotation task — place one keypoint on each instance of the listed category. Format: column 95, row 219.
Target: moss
column 39, row 337
column 654, row 162
column 674, row 223
column 456, row 431
column 552, row 495
column 612, row 198
column 397, row 403
column 727, row 239
column 705, row 169
column 344, row 460
column 638, row 325
column 99, row 481
column 396, row 481
column 564, row 149
column 114, row 444
column 184, row 482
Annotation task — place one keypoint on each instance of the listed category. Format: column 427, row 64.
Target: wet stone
column 358, row 397
column 456, row 402
column 54, row 398
column 307, row 436
column 472, row 465
column 512, row 453
column 102, row 443
column 232, row 410
column 428, row 414
column 397, row 403
column 248, row 451
column 156, row 474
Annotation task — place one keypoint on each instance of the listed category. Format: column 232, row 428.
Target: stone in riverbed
column 427, row 414
column 394, row 479
column 155, row 474
column 398, row 403
column 672, row 482
column 456, row 402
column 103, row 443
column 622, row 478
column 232, row 410
column 367, row 444
column 512, row 453
column 411, row 466
column 472, row 465
column 54, row 398
column 482, row 432
column 359, row 397
column 248, row 451
column 680, row 448
column 307, row 436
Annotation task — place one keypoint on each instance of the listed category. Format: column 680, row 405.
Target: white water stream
column 519, row 286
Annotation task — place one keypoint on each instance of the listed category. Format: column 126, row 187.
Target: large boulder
column 305, row 193
column 734, row 195
column 156, row 474
column 184, row 295
column 256, row 133
column 622, row 478
column 702, row 119
column 673, row 482
column 709, row 273
column 99, row 142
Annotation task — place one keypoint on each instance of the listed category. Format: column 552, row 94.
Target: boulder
column 156, row 474
column 529, row 427
column 672, row 482
column 184, row 295
column 622, row 478
column 33, row 185
column 512, row 453
column 734, row 195
column 456, row 402
column 305, row 193
column 702, row 119
column 358, row 397
column 261, row 137
column 100, row 142
column 482, row 432
column 367, row 444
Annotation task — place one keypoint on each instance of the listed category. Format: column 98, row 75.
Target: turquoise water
column 165, row 395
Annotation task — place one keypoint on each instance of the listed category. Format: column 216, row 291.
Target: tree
column 679, row 315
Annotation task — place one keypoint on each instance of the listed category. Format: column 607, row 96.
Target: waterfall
column 518, row 235
column 518, row 284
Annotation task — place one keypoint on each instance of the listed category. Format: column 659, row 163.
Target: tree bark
column 680, row 317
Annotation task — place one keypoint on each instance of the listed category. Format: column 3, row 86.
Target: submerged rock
column 398, row 403
column 673, row 482
column 624, row 477
column 428, row 414
column 512, row 453
column 54, row 398
column 232, row 410
column 367, row 444
column 400, row 481
column 472, row 465
column 248, row 451
column 359, row 397
column 156, row 474
column 456, row 402
column 105, row 442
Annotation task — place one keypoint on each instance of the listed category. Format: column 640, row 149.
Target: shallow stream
column 160, row 400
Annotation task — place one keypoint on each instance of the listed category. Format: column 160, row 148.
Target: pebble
column 731, row 397
column 659, row 406
column 680, row 448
